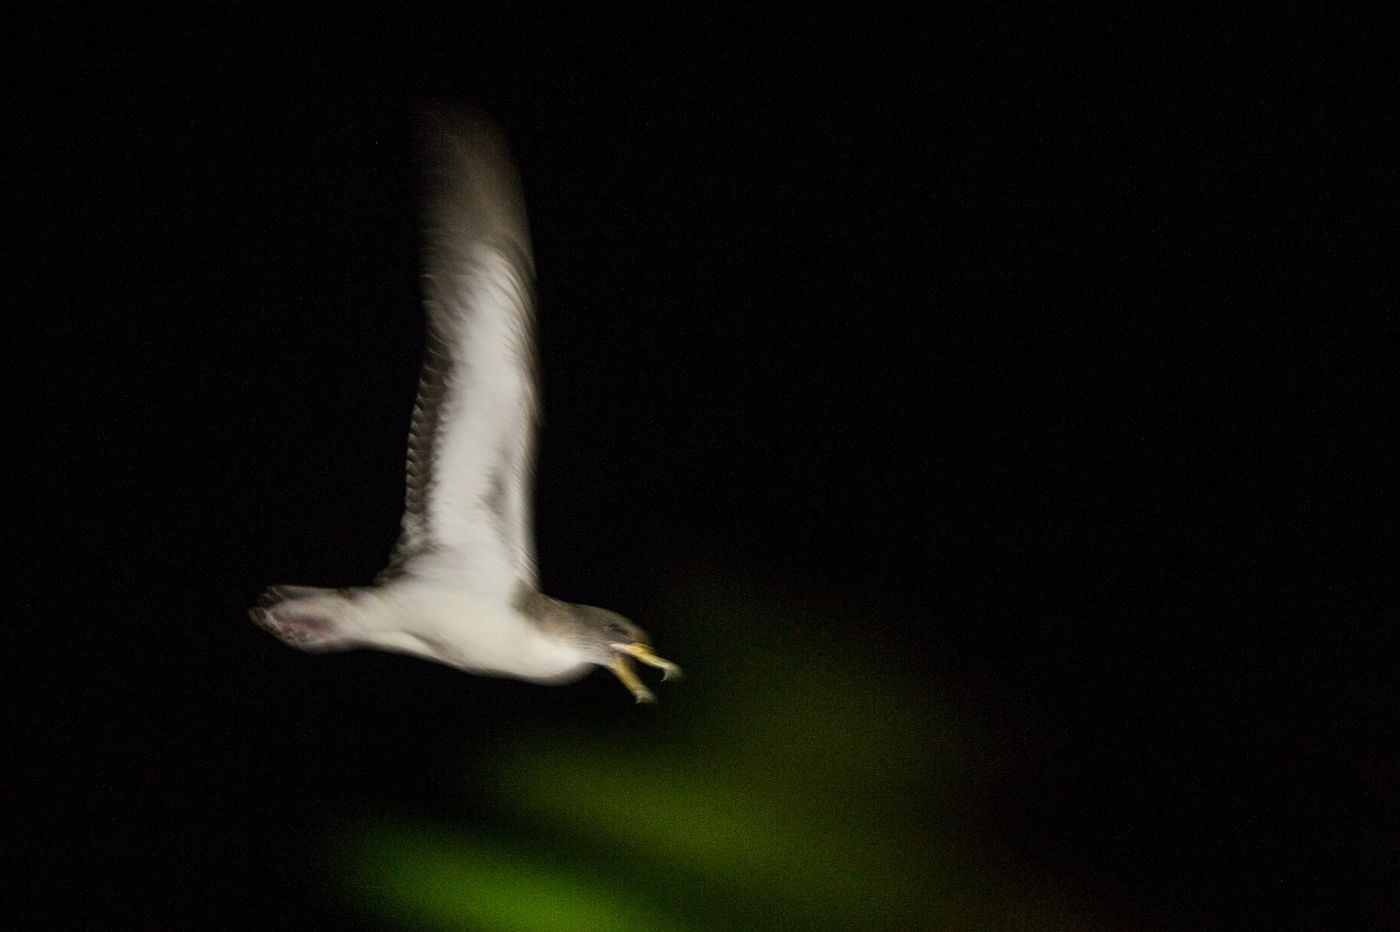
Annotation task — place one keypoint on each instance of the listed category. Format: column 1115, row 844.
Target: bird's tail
column 305, row 617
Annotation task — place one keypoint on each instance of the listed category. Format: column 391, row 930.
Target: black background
column 1056, row 344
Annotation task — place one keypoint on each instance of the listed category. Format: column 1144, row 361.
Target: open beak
column 623, row 670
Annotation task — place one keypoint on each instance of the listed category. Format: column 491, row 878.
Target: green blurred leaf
column 793, row 780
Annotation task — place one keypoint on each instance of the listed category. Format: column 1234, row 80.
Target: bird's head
column 610, row 640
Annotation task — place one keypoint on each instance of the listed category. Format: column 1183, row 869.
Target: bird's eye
column 615, row 628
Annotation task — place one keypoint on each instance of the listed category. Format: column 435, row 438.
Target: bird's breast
column 463, row 629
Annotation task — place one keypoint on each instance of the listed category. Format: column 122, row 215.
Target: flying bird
column 461, row 587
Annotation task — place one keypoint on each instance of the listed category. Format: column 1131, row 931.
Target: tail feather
column 304, row 617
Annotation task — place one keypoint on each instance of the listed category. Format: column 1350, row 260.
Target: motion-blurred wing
column 471, row 446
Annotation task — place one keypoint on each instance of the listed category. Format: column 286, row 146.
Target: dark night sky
column 1054, row 345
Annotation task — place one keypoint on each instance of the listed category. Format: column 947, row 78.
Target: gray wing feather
column 471, row 445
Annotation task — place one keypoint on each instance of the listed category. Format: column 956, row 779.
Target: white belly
column 461, row 629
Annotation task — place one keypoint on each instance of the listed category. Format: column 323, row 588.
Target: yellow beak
column 623, row 670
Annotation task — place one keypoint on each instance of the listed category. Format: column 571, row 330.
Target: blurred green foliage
column 793, row 780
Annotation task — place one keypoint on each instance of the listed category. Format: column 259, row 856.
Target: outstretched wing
column 472, row 441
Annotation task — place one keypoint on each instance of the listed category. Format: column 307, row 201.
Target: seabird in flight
column 461, row 586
